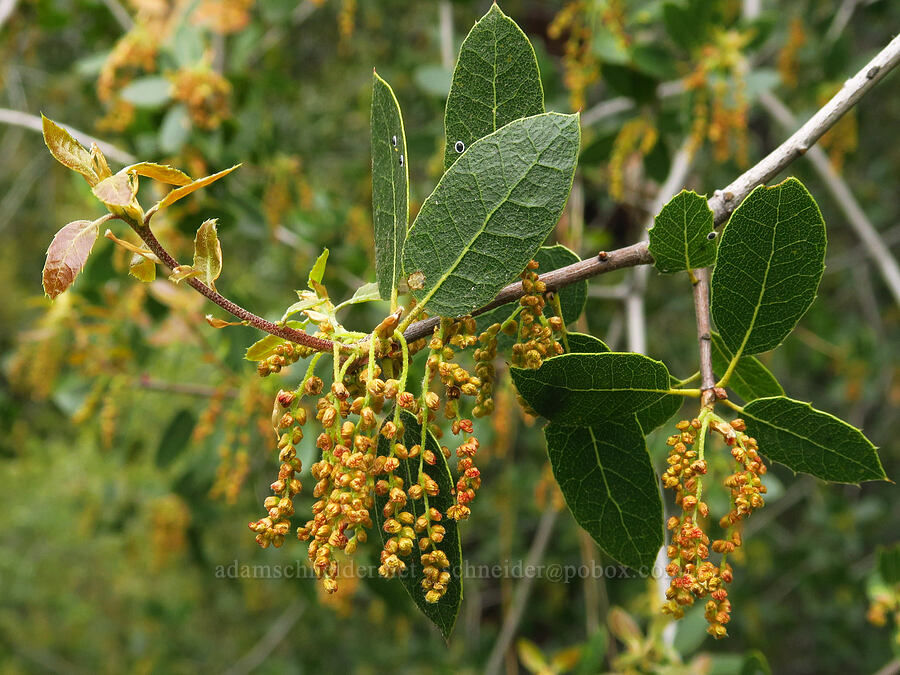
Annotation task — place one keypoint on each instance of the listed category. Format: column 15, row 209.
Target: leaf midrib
column 762, row 288
column 468, row 247
column 609, row 494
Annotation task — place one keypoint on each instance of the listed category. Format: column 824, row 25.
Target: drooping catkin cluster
column 536, row 335
column 693, row 575
column 351, row 474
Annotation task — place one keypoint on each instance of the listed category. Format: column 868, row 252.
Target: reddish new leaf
column 67, row 254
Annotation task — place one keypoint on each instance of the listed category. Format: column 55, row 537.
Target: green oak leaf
column 750, row 379
column 496, row 81
column 582, row 343
column 609, row 484
column 490, row 213
column 679, row 238
column 390, row 186
column 572, row 298
column 365, row 293
column 176, row 438
column 810, row 441
column 657, row 414
column 768, row 267
column 317, row 271
column 579, row 388
column 442, row 613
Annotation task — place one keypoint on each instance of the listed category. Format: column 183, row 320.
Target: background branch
column 523, row 590
column 837, row 186
column 28, row 121
column 723, row 202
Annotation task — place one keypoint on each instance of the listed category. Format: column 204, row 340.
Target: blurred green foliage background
column 134, row 443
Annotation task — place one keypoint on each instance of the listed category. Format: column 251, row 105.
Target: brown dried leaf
column 67, row 254
column 67, row 151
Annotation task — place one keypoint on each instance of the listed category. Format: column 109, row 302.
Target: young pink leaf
column 67, row 254
column 118, row 190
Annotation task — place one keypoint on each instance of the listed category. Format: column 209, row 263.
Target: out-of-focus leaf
column 175, row 129
column 67, row 254
column 176, row 438
column 889, row 564
column 151, row 91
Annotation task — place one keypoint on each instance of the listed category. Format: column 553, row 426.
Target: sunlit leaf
column 222, row 323
column 265, row 347
column 67, row 151
column 161, row 172
column 185, row 190
column 142, row 268
column 207, row 253
column 365, row 293
column 117, row 190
